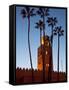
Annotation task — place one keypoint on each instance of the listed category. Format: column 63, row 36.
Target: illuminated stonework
column 46, row 52
column 42, row 41
column 48, row 55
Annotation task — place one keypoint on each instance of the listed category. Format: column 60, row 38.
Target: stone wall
column 25, row 76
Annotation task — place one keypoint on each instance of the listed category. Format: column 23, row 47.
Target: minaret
column 48, row 55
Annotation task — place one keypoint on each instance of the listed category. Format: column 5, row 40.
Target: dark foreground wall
column 25, row 76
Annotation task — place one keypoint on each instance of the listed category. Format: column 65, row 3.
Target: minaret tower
column 48, row 55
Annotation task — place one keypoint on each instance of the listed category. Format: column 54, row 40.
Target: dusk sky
column 22, row 53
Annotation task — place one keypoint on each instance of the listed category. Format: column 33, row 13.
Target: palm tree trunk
column 44, row 50
column 58, row 58
column 29, row 46
column 52, row 54
column 52, row 35
column 50, row 66
column 40, row 36
column 51, row 59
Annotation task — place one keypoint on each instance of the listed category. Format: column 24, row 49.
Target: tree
column 51, row 22
column 59, row 32
column 43, row 12
column 39, row 25
column 27, row 12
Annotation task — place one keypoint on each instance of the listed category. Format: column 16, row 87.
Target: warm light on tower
column 48, row 55
column 42, row 41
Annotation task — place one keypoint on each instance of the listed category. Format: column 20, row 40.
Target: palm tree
column 39, row 25
column 51, row 22
column 60, row 32
column 27, row 12
column 42, row 12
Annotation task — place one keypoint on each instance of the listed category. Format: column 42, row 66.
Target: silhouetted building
column 48, row 55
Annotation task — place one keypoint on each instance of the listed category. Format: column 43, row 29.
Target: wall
column 4, row 44
column 25, row 76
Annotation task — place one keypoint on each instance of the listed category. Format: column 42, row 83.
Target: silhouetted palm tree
column 60, row 32
column 51, row 22
column 39, row 25
column 43, row 12
column 27, row 12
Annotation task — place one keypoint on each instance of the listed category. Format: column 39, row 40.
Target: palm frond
column 41, row 15
column 23, row 13
column 27, row 9
column 23, row 16
column 41, row 10
column 36, row 27
column 50, row 24
column 39, row 24
column 38, row 12
column 62, row 31
column 60, row 27
column 32, row 14
column 55, row 19
column 47, row 11
column 32, row 10
column 54, row 30
column 62, row 34
column 55, row 33
column 59, row 30
column 51, row 21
